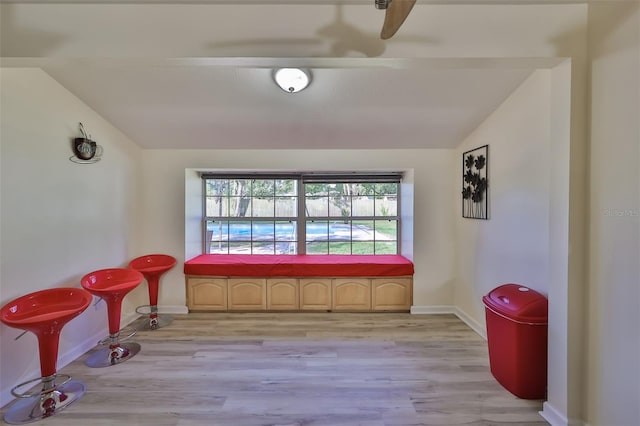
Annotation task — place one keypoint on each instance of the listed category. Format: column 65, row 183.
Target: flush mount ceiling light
column 292, row 79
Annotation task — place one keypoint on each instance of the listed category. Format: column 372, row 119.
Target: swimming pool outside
column 281, row 237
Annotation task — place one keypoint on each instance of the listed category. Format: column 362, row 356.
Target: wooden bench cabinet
column 354, row 294
column 331, row 282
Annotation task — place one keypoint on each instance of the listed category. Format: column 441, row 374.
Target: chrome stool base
column 45, row 404
column 153, row 320
column 112, row 355
column 147, row 323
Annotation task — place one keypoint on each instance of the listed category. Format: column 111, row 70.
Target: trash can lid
column 518, row 303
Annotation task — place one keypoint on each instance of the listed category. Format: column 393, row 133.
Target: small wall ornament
column 475, row 184
column 85, row 150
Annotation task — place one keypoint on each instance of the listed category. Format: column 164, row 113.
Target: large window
column 301, row 213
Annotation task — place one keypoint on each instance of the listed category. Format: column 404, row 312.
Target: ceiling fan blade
column 396, row 13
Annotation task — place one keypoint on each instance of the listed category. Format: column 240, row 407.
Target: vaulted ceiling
column 198, row 74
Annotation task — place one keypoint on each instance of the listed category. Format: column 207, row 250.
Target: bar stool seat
column 112, row 285
column 153, row 266
column 45, row 313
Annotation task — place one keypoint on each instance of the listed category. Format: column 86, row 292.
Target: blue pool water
column 281, row 231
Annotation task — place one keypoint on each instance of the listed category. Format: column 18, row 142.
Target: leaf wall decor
column 475, row 184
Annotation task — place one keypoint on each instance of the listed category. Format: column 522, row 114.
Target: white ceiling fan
column 395, row 15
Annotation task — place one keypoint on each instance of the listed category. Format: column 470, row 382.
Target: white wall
column 613, row 347
column 164, row 211
column 512, row 246
column 59, row 220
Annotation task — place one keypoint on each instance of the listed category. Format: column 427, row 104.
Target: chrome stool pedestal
column 153, row 320
column 116, row 352
column 51, row 399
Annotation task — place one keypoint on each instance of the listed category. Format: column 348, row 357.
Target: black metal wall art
column 475, row 184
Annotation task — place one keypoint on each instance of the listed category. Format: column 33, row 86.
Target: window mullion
column 301, row 224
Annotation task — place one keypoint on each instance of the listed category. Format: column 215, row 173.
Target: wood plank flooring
column 300, row 369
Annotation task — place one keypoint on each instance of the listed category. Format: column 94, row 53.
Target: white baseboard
column 449, row 309
column 472, row 323
column 555, row 418
column 431, row 310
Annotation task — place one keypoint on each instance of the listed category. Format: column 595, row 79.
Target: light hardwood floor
column 300, row 369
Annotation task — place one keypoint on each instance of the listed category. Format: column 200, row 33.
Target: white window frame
column 301, row 219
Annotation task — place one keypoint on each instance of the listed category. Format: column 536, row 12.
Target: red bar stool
column 153, row 266
column 44, row 313
column 112, row 285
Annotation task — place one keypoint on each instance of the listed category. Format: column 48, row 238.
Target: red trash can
column 517, row 321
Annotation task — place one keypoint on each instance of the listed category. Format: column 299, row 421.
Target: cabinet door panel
column 247, row 294
column 351, row 294
column 207, row 294
column 392, row 294
column 282, row 294
column 315, row 294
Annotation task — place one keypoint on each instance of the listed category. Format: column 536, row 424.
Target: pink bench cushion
column 265, row 265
